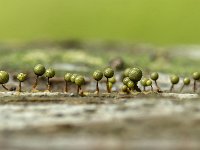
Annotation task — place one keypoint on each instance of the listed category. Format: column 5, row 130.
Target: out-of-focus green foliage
column 156, row 21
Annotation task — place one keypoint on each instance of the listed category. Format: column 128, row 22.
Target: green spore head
column 149, row 82
column 112, row 80
column 4, row 77
column 130, row 84
column 79, row 80
column 73, row 77
column 21, row 77
column 135, row 74
column 143, row 81
column 126, row 72
column 39, row 70
column 67, row 77
column 154, row 76
column 108, row 72
column 98, row 75
column 126, row 80
column 124, row 88
column 174, row 79
column 50, row 73
column 186, row 81
column 196, row 75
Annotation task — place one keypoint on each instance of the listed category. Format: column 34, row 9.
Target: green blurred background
column 156, row 35
column 161, row 22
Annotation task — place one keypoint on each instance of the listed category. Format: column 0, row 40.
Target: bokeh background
column 151, row 21
column 153, row 34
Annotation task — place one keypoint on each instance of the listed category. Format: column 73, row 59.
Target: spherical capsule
column 154, row 76
column 73, row 77
column 130, row 84
column 79, row 80
column 174, row 79
column 143, row 81
column 126, row 72
column 112, row 80
column 196, row 75
column 39, row 70
column 4, row 77
column 126, row 80
column 67, row 77
column 97, row 75
column 149, row 82
column 124, row 88
column 21, row 77
column 135, row 74
column 50, row 73
column 108, row 72
column 186, row 81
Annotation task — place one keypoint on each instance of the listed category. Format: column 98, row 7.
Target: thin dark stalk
column 81, row 91
column 158, row 88
column 36, row 83
column 144, row 88
column 66, row 87
column 78, row 89
column 136, row 87
column 97, row 88
column 48, row 84
column 5, row 87
column 20, row 86
column 172, row 86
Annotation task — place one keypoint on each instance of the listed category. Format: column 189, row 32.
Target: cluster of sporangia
column 131, row 77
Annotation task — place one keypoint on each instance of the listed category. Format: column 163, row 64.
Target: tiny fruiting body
column 174, row 80
column 73, row 77
column 97, row 75
column 149, row 83
column 79, row 81
column 143, row 83
column 112, row 80
column 154, row 76
column 4, row 78
column 67, row 78
column 124, row 89
column 39, row 70
column 196, row 77
column 186, row 82
column 50, row 73
column 126, row 80
column 126, row 72
column 130, row 85
column 135, row 75
column 21, row 77
column 108, row 73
